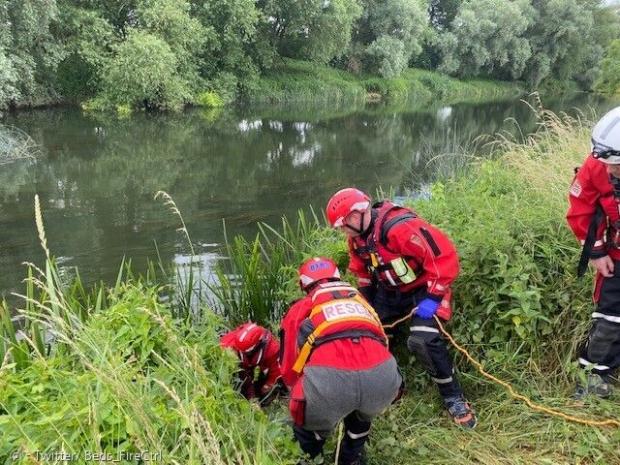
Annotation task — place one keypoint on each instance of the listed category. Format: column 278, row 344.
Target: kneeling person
column 258, row 351
column 335, row 361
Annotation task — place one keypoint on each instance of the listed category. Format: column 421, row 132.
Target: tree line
column 167, row 53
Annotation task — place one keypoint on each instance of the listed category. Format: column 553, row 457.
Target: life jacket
column 338, row 312
column 387, row 267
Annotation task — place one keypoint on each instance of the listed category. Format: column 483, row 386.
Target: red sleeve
column 289, row 329
column 358, row 267
column 583, row 198
column 431, row 248
column 270, row 366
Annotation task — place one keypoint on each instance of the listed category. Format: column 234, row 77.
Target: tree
column 442, row 12
column 171, row 21
column 8, row 74
column 387, row 56
column 605, row 30
column 487, row 36
column 229, row 54
column 143, row 73
column 29, row 50
column 383, row 24
column 609, row 79
column 118, row 13
column 560, row 38
column 88, row 40
column 316, row 30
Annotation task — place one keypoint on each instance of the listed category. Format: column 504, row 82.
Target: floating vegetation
column 15, row 144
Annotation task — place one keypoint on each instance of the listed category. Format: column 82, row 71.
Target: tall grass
column 122, row 376
column 259, row 278
column 518, row 285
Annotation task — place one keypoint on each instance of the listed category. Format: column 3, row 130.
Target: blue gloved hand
column 427, row 308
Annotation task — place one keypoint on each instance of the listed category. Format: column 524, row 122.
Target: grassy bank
column 297, row 82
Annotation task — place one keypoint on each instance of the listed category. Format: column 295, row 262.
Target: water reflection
column 97, row 177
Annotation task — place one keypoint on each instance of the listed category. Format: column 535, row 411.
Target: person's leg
column 310, row 442
column 428, row 345
column 329, row 395
column 600, row 354
column 391, row 306
column 356, row 430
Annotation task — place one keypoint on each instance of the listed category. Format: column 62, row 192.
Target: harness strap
column 313, row 341
column 389, row 224
column 350, row 334
column 586, row 251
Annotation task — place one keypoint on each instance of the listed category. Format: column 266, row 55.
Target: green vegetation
column 123, row 377
column 165, row 54
column 127, row 372
column 297, row 81
column 609, row 80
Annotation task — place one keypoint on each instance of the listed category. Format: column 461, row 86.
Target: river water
column 97, row 177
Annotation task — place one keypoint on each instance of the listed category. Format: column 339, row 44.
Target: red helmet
column 344, row 202
column 251, row 340
column 316, row 269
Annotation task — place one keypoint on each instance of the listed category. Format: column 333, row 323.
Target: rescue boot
column 360, row 460
column 596, row 385
column 460, row 411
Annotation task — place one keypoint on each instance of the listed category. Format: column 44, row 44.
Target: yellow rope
column 400, row 320
column 513, row 393
column 532, row 405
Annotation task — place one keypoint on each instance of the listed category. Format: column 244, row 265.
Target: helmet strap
column 361, row 230
column 615, row 182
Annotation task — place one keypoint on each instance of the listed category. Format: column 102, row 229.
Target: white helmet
column 606, row 138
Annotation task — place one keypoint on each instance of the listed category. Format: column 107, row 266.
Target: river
column 97, row 177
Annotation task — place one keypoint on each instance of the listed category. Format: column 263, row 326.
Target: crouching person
column 258, row 351
column 335, row 362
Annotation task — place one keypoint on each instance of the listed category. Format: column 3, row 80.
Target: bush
column 518, row 255
column 210, row 99
column 143, row 74
column 609, row 79
column 386, row 56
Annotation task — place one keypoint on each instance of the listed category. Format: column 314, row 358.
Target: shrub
column 210, row 99
column 143, row 74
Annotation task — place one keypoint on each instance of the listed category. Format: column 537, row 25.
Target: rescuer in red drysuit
column 594, row 217
column 257, row 350
column 335, row 362
column 403, row 263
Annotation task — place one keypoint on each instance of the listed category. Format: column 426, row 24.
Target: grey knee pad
column 604, row 336
column 417, row 345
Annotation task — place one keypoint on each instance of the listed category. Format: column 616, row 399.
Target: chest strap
column 313, row 342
